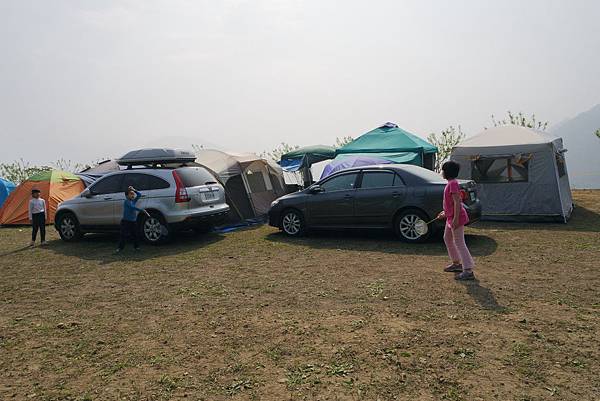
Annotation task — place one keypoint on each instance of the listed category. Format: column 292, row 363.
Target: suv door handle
column 348, row 196
column 396, row 194
column 107, row 198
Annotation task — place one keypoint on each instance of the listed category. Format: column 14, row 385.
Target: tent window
column 276, row 184
column 560, row 164
column 256, row 181
column 499, row 170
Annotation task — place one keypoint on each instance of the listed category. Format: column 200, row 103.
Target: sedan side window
column 379, row 179
column 108, row 185
column 340, row 183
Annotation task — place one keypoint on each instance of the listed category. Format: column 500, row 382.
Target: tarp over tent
column 251, row 183
column 394, row 144
column 90, row 174
column 306, row 156
column 521, row 173
column 55, row 186
column 6, row 187
column 351, row 161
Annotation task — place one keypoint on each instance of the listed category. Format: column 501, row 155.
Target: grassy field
column 334, row 316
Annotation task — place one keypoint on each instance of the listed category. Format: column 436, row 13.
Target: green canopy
column 391, row 143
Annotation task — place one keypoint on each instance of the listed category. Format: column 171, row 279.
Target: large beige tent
column 251, row 182
column 521, row 173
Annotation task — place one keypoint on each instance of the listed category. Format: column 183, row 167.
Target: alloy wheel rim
column 67, row 227
column 152, row 229
column 408, row 226
column 291, row 223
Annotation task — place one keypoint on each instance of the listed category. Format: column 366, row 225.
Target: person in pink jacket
column 456, row 219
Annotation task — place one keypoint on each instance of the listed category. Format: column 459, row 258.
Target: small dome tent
column 6, row 187
column 521, row 174
column 251, row 183
column 55, row 186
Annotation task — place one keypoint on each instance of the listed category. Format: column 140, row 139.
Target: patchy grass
column 340, row 316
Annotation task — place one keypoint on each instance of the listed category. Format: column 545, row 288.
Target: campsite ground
column 255, row 315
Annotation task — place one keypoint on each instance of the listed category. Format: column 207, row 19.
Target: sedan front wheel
column 292, row 223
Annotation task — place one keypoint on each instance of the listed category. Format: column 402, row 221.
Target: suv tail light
column 181, row 194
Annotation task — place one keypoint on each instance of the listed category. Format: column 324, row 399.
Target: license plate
column 209, row 196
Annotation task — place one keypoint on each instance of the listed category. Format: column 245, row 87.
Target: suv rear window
column 195, row 176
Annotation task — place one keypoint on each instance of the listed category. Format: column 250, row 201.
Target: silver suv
column 176, row 198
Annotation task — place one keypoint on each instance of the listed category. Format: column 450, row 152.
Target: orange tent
column 55, row 186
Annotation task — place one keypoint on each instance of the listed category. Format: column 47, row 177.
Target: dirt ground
column 334, row 316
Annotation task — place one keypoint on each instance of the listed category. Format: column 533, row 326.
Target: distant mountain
column 583, row 155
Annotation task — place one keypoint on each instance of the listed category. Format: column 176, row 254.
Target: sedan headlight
column 274, row 203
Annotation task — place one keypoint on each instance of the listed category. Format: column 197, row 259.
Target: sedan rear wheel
column 406, row 226
column 292, row 223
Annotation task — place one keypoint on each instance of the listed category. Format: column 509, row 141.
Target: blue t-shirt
column 129, row 209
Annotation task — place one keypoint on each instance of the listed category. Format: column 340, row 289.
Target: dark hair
column 35, row 191
column 127, row 192
column 450, row 169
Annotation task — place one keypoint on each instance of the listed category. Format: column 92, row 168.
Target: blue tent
column 6, row 187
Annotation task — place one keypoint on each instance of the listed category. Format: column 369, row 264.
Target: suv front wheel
column 154, row 229
column 68, row 227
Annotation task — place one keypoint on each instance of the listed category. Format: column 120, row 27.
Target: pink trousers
column 457, row 248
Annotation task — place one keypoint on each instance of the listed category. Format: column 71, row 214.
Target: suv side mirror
column 87, row 193
column 315, row 189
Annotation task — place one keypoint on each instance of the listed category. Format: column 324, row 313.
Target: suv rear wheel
column 154, row 229
column 68, row 227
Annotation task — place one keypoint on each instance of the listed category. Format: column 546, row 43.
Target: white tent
column 251, row 182
column 521, row 173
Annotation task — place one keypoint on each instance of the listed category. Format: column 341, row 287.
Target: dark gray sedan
column 395, row 197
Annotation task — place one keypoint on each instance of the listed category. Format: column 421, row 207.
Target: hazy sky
column 88, row 79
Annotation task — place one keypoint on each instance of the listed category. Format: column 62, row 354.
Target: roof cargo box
column 156, row 156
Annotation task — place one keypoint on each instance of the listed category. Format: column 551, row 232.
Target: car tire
column 404, row 225
column 68, row 227
column 292, row 223
column 154, row 229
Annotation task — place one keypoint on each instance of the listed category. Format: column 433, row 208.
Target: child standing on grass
column 37, row 216
column 456, row 219
column 128, row 222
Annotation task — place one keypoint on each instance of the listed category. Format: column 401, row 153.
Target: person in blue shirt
column 128, row 222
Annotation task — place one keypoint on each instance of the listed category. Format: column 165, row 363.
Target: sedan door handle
column 396, row 195
column 107, row 198
column 348, row 196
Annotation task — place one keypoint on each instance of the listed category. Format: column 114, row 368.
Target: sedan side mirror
column 87, row 193
column 315, row 189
